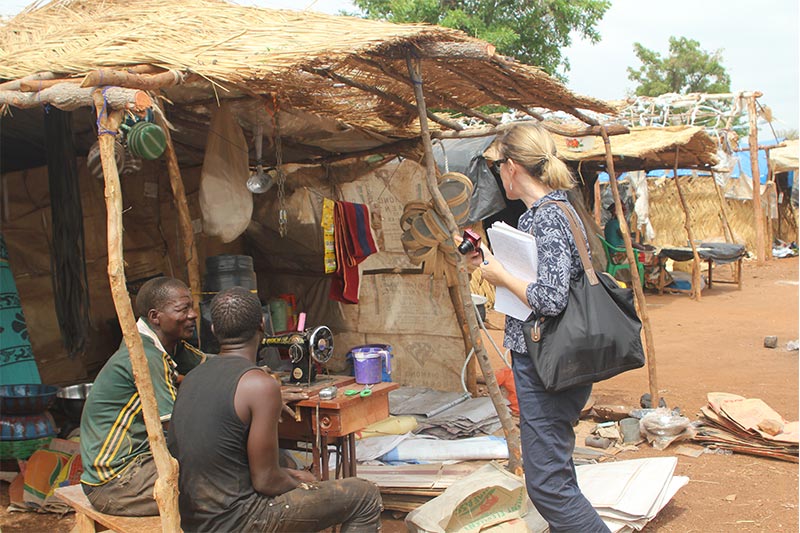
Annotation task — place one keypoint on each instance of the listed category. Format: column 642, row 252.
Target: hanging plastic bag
column 225, row 202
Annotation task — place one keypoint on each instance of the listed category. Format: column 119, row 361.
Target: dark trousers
column 548, row 441
column 130, row 493
column 354, row 503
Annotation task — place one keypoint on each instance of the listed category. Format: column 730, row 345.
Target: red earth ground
column 712, row 345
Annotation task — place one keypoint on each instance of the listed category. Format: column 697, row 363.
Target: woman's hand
column 473, row 258
column 491, row 269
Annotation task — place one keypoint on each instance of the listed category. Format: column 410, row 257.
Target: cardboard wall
column 151, row 246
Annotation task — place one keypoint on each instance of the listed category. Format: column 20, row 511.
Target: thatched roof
column 347, row 71
column 647, row 149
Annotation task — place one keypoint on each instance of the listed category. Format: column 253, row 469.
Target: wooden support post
column 469, row 329
column 636, row 283
column 184, row 217
column 470, row 379
column 723, row 215
column 166, row 487
column 758, row 211
column 598, row 201
column 696, row 292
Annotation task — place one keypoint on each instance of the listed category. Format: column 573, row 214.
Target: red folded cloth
column 354, row 243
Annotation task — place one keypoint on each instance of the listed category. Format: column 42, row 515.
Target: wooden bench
column 89, row 520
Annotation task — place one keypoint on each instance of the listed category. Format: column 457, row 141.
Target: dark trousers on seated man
column 130, row 493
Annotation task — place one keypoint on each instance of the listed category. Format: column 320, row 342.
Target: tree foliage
column 532, row 31
column 686, row 69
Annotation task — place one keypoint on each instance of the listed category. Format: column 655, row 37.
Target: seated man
column 224, row 435
column 118, row 468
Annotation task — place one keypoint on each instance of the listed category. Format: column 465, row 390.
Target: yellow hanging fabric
column 328, row 238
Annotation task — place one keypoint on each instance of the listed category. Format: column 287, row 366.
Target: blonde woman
column 531, row 171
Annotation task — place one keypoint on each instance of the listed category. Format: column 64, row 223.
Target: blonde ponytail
column 529, row 145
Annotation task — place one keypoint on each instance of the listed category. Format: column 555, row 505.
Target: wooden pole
column 598, row 201
column 469, row 329
column 69, row 96
column 636, row 283
column 758, row 211
column 470, row 379
column 723, row 215
column 166, row 487
column 184, row 217
column 688, row 225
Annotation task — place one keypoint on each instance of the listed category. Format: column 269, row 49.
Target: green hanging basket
column 147, row 140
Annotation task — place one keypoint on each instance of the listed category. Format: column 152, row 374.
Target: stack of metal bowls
column 25, row 423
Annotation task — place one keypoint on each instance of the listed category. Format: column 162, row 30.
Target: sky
column 759, row 43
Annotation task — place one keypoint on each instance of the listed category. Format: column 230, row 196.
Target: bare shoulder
column 258, row 382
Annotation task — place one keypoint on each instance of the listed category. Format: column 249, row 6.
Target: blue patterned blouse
column 558, row 259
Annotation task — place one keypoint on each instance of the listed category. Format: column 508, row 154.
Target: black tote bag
column 597, row 336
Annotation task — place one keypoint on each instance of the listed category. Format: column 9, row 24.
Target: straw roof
column 347, row 70
column 647, row 149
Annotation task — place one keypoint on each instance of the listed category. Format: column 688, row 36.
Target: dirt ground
column 712, row 345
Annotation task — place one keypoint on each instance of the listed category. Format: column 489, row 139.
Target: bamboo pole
column 166, row 486
column 635, row 281
column 184, row 217
column 758, row 211
column 696, row 292
column 469, row 329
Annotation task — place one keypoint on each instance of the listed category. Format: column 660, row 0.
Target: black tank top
column 209, row 441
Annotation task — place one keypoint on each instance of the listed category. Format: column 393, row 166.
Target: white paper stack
column 516, row 251
column 628, row 494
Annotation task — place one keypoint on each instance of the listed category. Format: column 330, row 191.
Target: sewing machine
column 306, row 349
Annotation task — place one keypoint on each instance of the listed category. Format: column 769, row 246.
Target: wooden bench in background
column 89, row 520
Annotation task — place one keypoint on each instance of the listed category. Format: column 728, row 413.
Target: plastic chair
column 613, row 267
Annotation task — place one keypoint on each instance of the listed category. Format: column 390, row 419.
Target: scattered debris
column 689, row 451
column 662, row 427
column 792, row 346
column 770, row 341
column 732, row 423
column 611, row 412
column 646, row 403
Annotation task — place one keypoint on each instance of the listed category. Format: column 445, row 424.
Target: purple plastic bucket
column 368, row 363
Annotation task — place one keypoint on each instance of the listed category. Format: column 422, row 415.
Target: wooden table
column 712, row 253
column 324, row 422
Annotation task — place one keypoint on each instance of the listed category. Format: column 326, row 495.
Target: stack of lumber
column 742, row 425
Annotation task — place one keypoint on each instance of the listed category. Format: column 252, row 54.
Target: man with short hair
column 224, row 435
column 118, row 468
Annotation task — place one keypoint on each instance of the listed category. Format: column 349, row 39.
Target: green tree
column 687, row 69
column 532, row 31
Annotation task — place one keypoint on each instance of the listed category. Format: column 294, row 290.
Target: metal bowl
column 26, row 399
column 71, row 400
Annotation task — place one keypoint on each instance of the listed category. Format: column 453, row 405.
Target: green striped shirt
column 112, row 425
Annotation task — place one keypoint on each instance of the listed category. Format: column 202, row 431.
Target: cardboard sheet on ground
column 630, row 492
column 738, row 424
column 489, row 496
